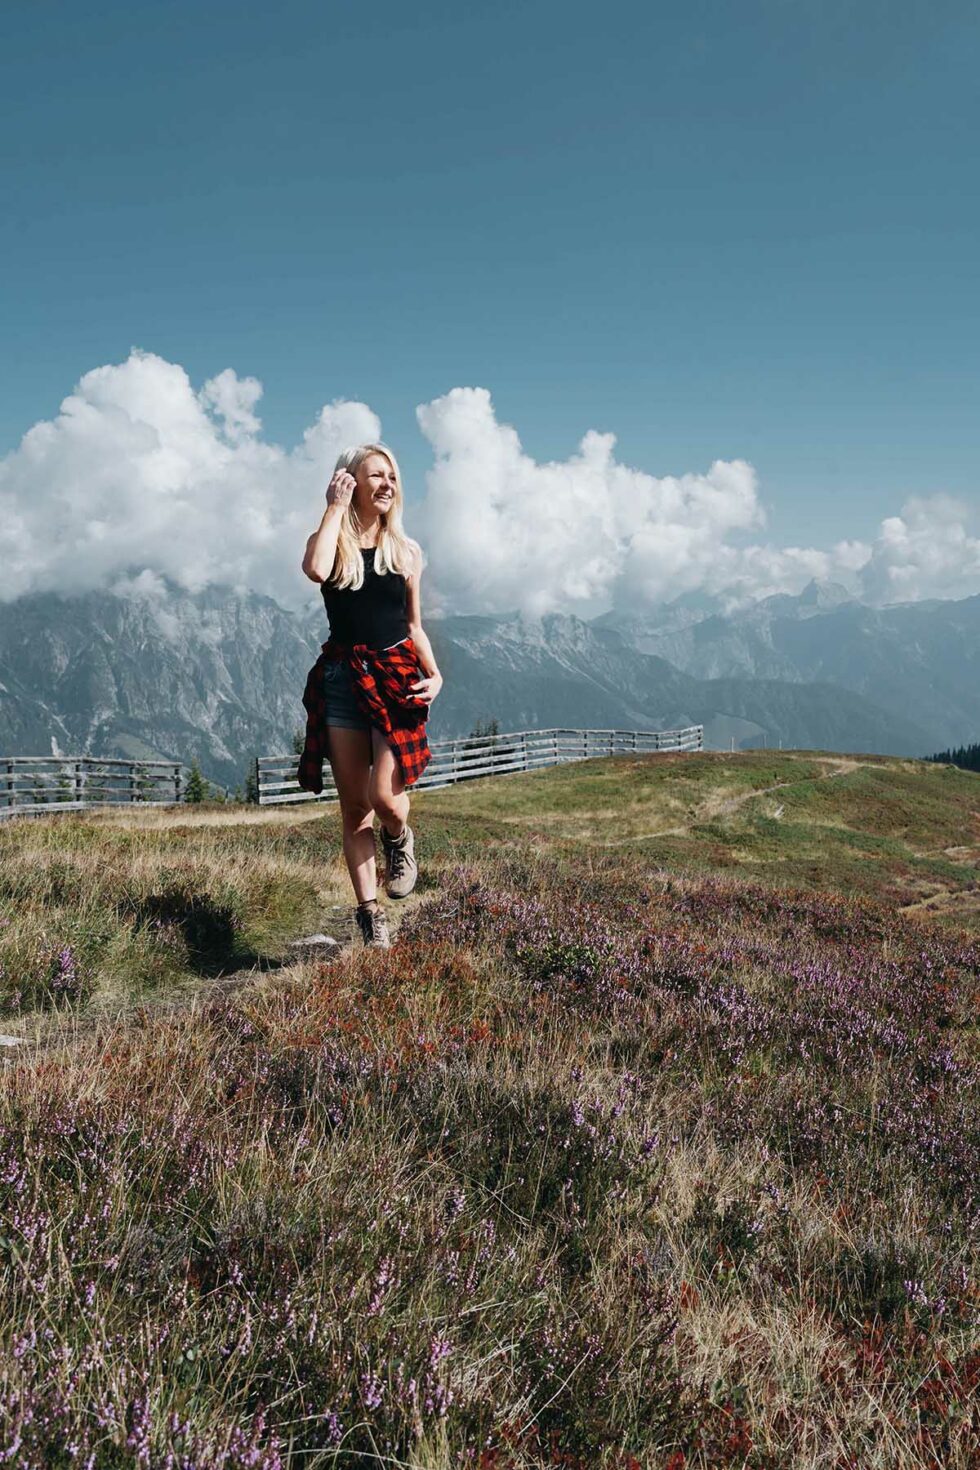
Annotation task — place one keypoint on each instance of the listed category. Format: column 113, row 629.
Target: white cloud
column 139, row 473
column 233, row 400
column 927, row 551
column 141, row 477
column 504, row 531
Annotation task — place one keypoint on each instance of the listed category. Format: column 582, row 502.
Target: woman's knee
column 389, row 805
column 357, row 816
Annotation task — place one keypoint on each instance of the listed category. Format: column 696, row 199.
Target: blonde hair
column 396, row 552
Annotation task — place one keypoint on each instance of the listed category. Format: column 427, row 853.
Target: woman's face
column 376, row 487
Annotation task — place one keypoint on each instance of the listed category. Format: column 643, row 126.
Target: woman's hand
column 341, row 489
column 427, row 689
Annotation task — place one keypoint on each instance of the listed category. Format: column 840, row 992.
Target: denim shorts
column 342, row 707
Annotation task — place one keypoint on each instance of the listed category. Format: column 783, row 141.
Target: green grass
column 147, row 907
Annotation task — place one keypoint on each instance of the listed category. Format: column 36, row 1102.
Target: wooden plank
column 58, row 761
column 39, row 809
column 121, row 793
column 298, row 796
column 452, row 759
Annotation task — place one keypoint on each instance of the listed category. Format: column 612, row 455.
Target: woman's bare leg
column 350, row 761
column 386, row 788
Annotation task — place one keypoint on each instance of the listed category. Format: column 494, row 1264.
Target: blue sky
column 716, row 231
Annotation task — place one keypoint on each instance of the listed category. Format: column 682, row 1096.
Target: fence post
column 177, row 782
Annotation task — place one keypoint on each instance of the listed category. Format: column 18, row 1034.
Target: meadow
column 651, row 1142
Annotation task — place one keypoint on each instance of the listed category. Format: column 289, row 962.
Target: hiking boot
column 370, row 919
column 401, row 869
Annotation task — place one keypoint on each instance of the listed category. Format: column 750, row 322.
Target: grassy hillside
column 652, row 1141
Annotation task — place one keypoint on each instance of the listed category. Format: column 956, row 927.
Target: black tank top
column 375, row 614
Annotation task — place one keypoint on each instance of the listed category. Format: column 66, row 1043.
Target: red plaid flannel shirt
column 382, row 678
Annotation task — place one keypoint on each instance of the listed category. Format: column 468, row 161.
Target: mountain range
column 914, row 660
column 219, row 674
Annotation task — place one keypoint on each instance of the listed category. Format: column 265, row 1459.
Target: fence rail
column 65, row 783
column 466, row 757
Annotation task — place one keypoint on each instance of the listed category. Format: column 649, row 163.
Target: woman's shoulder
column 417, row 555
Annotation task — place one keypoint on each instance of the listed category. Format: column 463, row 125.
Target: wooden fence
column 52, row 783
column 36, row 783
column 469, row 756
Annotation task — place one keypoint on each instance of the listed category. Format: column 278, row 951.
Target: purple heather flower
column 372, row 1391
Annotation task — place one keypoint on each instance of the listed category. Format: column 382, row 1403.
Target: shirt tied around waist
column 382, row 679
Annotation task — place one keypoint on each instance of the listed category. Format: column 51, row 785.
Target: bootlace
column 397, row 861
column 370, row 920
column 377, row 919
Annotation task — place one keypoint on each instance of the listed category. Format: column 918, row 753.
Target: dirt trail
column 954, row 902
column 713, row 807
column 52, row 1032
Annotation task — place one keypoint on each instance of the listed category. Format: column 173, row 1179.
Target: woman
column 366, row 702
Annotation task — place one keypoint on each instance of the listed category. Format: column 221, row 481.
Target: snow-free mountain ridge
column 219, row 674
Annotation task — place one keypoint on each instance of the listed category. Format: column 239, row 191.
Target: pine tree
column 965, row 756
column 482, row 734
column 481, row 730
column 198, row 788
column 145, row 785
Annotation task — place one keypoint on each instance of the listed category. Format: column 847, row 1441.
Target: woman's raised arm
column 322, row 546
